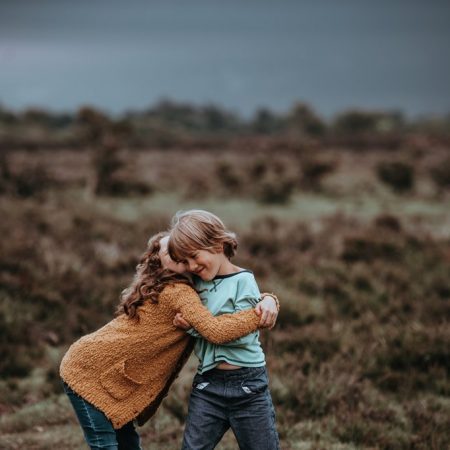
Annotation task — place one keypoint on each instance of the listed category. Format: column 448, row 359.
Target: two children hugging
column 122, row 371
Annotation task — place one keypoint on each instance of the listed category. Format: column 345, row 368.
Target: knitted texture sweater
column 126, row 367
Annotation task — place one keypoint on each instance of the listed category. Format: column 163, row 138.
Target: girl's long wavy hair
column 150, row 279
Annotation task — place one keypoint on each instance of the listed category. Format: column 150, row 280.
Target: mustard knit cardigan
column 126, row 367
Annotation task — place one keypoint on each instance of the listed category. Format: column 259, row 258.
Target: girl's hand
column 179, row 322
column 268, row 310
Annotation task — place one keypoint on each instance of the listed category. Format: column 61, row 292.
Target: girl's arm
column 267, row 310
column 242, row 341
column 216, row 329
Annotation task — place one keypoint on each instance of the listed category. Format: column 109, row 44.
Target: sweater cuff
column 271, row 294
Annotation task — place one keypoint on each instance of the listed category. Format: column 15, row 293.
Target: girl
column 231, row 385
column 123, row 370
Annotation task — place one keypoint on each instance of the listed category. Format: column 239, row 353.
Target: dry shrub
column 383, row 240
column 397, row 175
column 362, row 431
column 229, row 177
column 17, row 344
column 268, row 180
column 273, row 180
column 196, row 189
column 313, row 172
column 429, row 423
column 313, row 342
column 440, row 174
column 422, row 353
column 273, row 189
column 111, row 177
column 388, row 221
column 273, row 248
column 290, row 317
column 28, row 181
column 369, row 248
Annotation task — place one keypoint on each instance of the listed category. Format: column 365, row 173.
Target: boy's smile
column 208, row 265
column 204, row 264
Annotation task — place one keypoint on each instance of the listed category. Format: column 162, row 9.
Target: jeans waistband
column 233, row 374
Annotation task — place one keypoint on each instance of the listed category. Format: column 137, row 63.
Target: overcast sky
column 242, row 54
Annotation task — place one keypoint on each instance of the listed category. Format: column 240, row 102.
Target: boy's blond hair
column 197, row 229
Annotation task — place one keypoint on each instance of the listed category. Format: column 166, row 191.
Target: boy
column 231, row 385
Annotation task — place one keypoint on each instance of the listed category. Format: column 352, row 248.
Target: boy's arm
column 215, row 329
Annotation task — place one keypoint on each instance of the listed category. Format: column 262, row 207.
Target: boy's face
column 166, row 261
column 205, row 264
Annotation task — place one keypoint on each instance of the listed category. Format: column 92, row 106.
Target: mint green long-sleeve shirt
column 228, row 294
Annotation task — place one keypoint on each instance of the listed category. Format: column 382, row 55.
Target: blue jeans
column 237, row 399
column 98, row 430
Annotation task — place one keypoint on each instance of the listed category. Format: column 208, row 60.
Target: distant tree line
column 170, row 123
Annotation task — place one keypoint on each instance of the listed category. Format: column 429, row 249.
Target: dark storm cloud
column 242, row 54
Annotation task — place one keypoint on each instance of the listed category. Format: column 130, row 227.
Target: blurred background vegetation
column 346, row 219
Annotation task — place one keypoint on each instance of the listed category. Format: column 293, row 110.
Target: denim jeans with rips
column 237, row 399
column 98, row 430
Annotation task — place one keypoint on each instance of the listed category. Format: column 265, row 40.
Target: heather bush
column 229, row 177
column 370, row 247
column 17, row 359
column 28, row 181
column 272, row 189
column 387, row 221
column 106, row 163
column 423, row 353
column 109, row 179
column 268, row 180
column 397, row 175
column 197, row 189
column 290, row 317
column 440, row 174
column 313, row 172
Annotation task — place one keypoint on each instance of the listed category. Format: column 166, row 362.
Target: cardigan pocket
column 117, row 382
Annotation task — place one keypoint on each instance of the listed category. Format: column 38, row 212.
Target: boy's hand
column 179, row 322
column 267, row 309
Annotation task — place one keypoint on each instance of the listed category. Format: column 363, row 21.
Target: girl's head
column 153, row 273
column 200, row 240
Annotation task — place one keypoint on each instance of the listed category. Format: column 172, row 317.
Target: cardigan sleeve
column 216, row 329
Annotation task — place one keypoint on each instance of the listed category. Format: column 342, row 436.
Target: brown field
column 352, row 234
